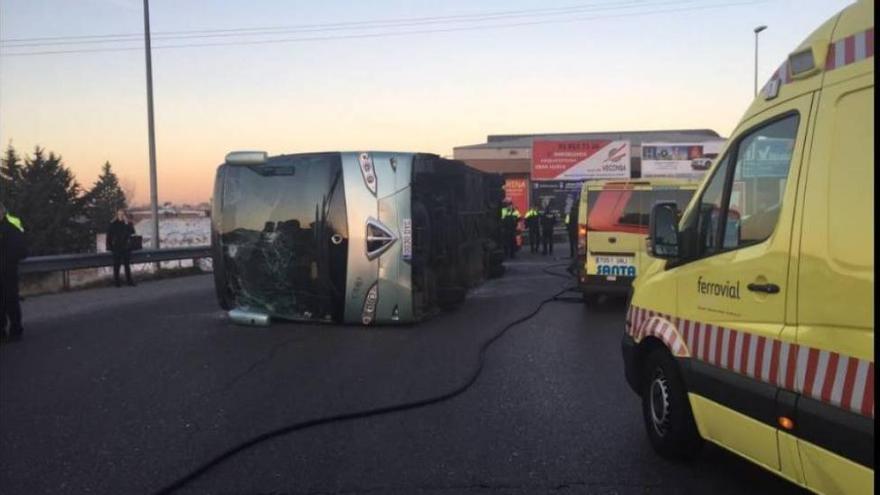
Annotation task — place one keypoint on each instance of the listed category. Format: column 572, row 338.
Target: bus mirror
column 663, row 231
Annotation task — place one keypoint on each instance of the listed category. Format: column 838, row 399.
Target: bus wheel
column 669, row 420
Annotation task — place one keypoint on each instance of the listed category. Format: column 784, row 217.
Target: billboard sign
column 580, row 160
column 557, row 195
column 516, row 189
column 685, row 160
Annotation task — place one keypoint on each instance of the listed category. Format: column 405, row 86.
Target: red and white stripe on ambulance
column 843, row 381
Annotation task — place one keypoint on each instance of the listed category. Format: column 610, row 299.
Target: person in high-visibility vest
column 12, row 251
column 15, row 221
column 533, row 223
column 509, row 221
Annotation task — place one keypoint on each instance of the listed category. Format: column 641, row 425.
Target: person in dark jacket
column 548, row 222
column 571, row 225
column 12, row 250
column 119, row 235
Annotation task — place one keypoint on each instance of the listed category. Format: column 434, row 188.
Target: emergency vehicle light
column 786, row 423
column 582, row 239
column 246, row 157
column 805, row 63
column 801, row 62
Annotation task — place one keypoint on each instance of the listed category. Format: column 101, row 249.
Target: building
column 512, row 155
column 169, row 210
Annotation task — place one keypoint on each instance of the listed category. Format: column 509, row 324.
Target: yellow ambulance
column 613, row 225
column 754, row 327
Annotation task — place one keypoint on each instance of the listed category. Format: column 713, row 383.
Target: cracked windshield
column 463, row 247
column 276, row 225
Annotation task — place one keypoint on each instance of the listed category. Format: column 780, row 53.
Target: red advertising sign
column 516, row 189
column 580, row 160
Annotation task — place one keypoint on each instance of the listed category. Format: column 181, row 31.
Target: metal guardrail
column 67, row 262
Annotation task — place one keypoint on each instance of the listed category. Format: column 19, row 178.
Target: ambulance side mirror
column 663, row 236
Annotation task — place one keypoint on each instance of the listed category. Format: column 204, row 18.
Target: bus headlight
column 368, row 313
column 368, row 171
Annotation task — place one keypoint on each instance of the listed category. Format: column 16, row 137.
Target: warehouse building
column 512, row 153
column 541, row 164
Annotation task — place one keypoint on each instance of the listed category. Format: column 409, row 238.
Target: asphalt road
column 124, row 390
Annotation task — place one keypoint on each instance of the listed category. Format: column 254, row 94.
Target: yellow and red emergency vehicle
column 754, row 327
column 614, row 217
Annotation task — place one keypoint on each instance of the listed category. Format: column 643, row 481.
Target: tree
column 129, row 187
column 10, row 179
column 51, row 207
column 104, row 199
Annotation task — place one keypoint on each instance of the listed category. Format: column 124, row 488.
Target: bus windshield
column 284, row 236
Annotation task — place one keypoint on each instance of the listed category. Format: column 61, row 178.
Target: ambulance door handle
column 765, row 288
column 612, row 240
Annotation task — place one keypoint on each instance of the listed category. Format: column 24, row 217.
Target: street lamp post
column 154, row 195
column 757, row 30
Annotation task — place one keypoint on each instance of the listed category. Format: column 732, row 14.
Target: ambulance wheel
column 669, row 420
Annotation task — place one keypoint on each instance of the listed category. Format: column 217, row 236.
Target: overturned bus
column 345, row 237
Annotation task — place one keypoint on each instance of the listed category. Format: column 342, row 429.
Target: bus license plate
column 406, row 248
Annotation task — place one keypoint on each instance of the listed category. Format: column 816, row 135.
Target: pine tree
column 52, row 208
column 104, row 199
column 10, row 179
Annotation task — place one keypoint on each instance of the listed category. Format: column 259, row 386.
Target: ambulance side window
column 709, row 211
column 748, row 198
column 763, row 160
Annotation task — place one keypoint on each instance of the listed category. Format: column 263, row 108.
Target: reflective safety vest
column 532, row 213
column 15, row 221
column 509, row 212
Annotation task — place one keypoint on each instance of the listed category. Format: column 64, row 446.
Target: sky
column 519, row 66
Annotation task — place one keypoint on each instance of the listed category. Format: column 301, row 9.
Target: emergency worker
column 12, row 250
column 119, row 234
column 15, row 221
column 533, row 223
column 509, row 221
column 548, row 222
